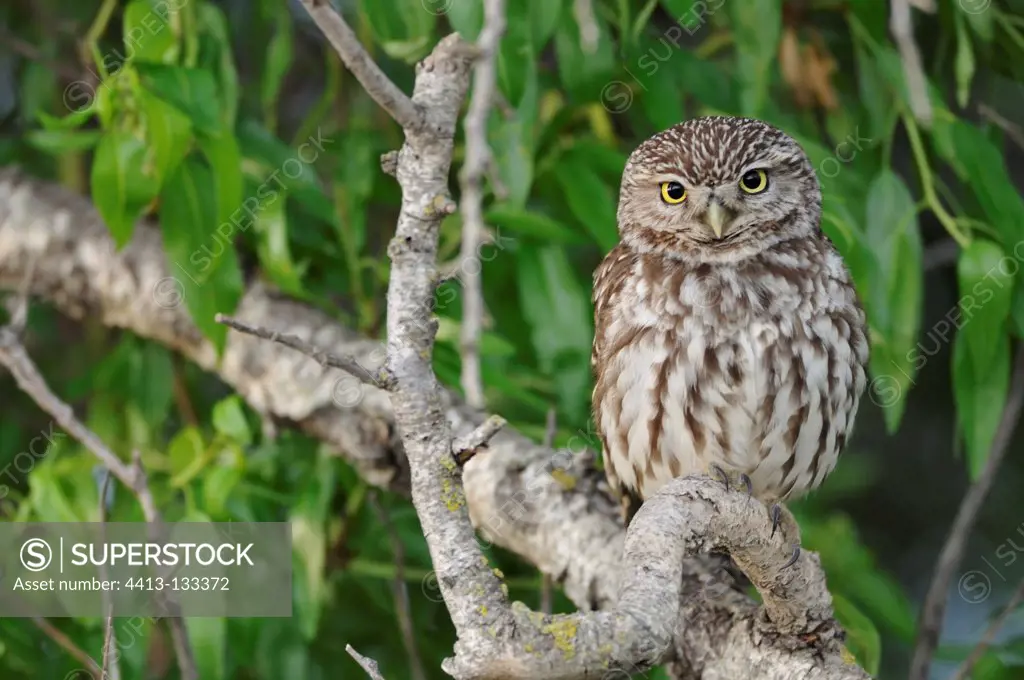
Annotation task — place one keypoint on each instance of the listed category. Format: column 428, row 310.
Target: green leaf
column 964, row 62
column 533, row 224
column 209, row 636
column 984, row 169
column 279, row 168
column 661, row 100
column 186, row 454
column 405, row 28
column 71, row 121
column 514, row 159
column 201, row 254
column 122, row 183
column 980, row 399
column 152, row 379
column 225, row 159
column 981, row 22
column 466, row 17
column 168, row 131
column 278, row 61
column 544, row 16
column 213, row 21
column 862, row 638
column 895, row 292
column 557, row 307
column 59, row 142
column 274, row 252
column 192, row 90
column 590, row 201
column 148, row 36
column 308, row 518
column 229, row 419
column 516, row 61
column 986, row 290
column 757, row 27
column 583, row 74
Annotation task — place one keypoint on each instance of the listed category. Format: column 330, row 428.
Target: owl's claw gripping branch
column 747, row 483
column 776, row 514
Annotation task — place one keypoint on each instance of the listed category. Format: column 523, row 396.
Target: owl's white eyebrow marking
column 666, row 177
column 762, row 164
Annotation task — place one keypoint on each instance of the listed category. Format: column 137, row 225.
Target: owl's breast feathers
column 756, row 366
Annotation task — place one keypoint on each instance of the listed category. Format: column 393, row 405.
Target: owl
column 729, row 339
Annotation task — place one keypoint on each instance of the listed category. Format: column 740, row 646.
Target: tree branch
column 366, row 71
column 929, row 627
column 478, row 159
column 365, row 662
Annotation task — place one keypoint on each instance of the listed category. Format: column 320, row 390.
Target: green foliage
column 257, row 155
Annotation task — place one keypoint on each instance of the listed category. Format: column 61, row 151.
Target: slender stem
column 95, row 32
column 928, row 183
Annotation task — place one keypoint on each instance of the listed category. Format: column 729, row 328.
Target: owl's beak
column 716, row 217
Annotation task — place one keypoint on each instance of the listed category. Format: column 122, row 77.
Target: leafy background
column 185, row 115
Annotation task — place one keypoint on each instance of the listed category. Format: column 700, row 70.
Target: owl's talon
column 793, row 558
column 776, row 514
column 745, row 480
column 718, row 470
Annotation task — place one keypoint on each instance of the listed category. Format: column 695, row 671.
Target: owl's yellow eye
column 673, row 192
column 754, row 181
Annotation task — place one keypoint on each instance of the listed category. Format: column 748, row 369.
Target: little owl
column 728, row 335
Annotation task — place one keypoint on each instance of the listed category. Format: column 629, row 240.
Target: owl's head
column 718, row 189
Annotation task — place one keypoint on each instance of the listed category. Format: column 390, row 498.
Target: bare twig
column 990, row 634
column 1012, row 130
column 932, row 611
column 478, row 160
column 466, row 447
column 583, row 10
column 368, row 664
column 28, row 378
column 400, row 590
column 69, row 646
column 902, row 26
column 326, row 359
column 377, row 84
column 111, row 667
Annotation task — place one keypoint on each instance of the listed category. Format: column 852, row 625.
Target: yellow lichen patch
column 452, row 496
column 504, row 590
column 448, row 463
column 567, row 481
column 482, row 609
column 847, row 655
column 564, row 634
column 499, row 573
